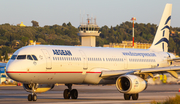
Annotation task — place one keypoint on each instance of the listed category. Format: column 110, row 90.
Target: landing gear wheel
column 29, row 97
column 66, row 94
column 135, row 96
column 127, row 96
column 34, row 97
column 74, row 94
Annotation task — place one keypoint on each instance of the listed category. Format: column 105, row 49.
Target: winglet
column 161, row 39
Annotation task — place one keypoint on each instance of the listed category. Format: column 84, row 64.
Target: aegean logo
column 166, row 26
column 62, row 52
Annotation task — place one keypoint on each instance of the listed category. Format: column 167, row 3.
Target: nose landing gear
column 33, row 96
column 73, row 93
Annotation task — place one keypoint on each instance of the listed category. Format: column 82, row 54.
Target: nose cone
column 11, row 70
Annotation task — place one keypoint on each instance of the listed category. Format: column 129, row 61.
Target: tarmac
column 95, row 94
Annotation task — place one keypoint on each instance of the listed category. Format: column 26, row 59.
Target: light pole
column 133, row 19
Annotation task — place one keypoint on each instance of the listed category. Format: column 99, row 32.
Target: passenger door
column 85, row 63
column 48, row 59
column 125, row 59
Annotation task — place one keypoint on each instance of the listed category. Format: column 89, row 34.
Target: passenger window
column 21, row 57
column 29, row 57
column 34, row 57
column 13, row 57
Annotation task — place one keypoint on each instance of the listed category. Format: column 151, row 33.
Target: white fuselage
column 71, row 64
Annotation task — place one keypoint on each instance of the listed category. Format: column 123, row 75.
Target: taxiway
column 88, row 94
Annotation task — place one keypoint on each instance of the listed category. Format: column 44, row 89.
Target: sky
column 107, row 12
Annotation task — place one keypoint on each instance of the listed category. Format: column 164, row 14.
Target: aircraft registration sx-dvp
column 39, row 67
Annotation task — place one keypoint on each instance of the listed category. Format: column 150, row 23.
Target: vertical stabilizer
column 161, row 38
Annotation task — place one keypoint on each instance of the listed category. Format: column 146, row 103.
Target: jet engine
column 130, row 84
column 38, row 88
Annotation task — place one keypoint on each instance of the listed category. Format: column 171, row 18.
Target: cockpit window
column 34, row 57
column 29, row 57
column 21, row 57
column 13, row 57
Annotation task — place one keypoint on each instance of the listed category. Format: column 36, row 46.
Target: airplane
column 40, row 67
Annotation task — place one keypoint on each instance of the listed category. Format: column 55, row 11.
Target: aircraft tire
column 74, row 94
column 66, row 94
column 34, row 97
column 127, row 96
column 29, row 97
column 135, row 96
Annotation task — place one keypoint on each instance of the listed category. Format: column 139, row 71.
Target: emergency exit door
column 48, row 59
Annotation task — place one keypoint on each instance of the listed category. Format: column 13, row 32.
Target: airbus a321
column 40, row 67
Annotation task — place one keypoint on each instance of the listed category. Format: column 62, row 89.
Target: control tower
column 88, row 33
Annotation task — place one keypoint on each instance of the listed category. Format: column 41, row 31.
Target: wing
column 147, row 72
column 174, row 59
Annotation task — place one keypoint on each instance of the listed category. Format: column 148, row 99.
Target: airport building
column 129, row 44
column 88, row 33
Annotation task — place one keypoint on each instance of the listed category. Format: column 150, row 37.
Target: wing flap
column 160, row 69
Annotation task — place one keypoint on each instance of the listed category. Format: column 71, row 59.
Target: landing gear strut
column 33, row 96
column 128, row 96
column 73, row 93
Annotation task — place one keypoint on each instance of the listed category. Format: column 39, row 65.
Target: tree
column 64, row 25
column 41, row 40
column 25, row 40
column 6, row 49
column 6, row 56
column 13, row 43
column 35, row 23
column 69, row 24
column 172, row 45
column 0, row 57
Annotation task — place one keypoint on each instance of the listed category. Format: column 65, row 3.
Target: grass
column 170, row 100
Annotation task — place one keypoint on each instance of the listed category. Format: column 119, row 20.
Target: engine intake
column 130, row 84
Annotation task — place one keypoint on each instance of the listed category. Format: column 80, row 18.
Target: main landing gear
column 73, row 93
column 128, row 96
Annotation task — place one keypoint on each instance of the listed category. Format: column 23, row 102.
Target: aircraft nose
column 9, row 67
column 11, row 70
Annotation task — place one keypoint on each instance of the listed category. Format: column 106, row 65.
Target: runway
column 87, row 94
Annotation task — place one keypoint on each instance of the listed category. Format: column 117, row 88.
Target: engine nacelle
column 130, row 84
column 39, row 88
